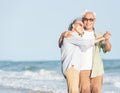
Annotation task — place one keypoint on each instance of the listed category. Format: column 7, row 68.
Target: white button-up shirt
column 71, row 50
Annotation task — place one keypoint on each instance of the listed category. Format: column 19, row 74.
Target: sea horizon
column 12, row 60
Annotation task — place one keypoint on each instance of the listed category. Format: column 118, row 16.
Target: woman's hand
column 66, row 34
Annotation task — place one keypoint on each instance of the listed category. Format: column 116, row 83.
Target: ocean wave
column 112, row 80
column 41, row 80
column 40, row 75
column 47, row 76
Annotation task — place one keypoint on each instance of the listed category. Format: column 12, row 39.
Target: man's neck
column 89, row 30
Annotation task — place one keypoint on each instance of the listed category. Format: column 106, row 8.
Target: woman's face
column 78, row 26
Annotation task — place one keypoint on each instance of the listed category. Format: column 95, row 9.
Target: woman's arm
column 62, row 36
column 105, row 37
column 60, row 40
column 99, row 39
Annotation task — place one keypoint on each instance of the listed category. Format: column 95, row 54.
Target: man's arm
column 107, row 43
column 107, row 46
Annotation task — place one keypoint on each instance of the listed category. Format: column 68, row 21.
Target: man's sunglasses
column 90, row 19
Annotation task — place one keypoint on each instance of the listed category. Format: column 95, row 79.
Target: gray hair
column 88, row 11
column 70, row 26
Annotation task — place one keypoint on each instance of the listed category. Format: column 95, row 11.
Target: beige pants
column 72, row 77
column 90, row 85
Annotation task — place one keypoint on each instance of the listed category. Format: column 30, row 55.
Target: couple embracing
column 80, row 46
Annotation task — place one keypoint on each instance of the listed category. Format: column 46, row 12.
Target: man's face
column 89, row 21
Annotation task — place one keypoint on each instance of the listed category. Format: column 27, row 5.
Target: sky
column 30, row 29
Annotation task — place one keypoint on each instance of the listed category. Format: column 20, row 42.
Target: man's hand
column 107, row 35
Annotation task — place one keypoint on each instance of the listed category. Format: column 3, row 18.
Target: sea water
column 47, row 76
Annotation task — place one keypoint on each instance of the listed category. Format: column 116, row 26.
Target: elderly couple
column 80, row 46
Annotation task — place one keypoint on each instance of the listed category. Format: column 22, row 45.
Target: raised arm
column 60, row 40
column 99, row 39
column 62, row 36
column 107, row 43
column 108, row 46
column 80, row 41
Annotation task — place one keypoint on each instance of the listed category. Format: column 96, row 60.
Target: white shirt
column 86, row 57
column 71, row 50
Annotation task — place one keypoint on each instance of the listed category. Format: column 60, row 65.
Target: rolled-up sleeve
column 103, row 46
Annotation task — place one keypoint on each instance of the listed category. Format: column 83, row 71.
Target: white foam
column 43, row 75
column 111, row 83
column 109, row 92
column 42, row 80
column 48, row 80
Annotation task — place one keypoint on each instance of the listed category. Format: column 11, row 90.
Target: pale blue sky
column 29, row 29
